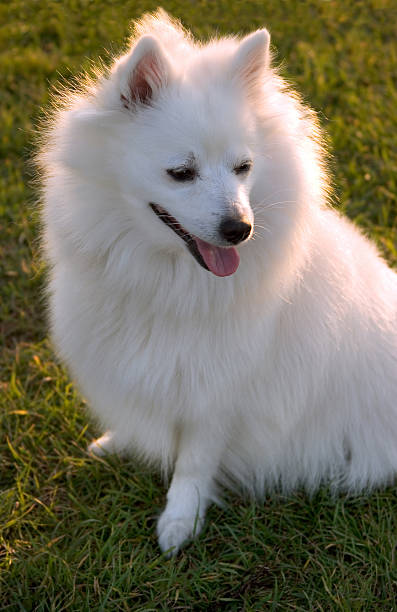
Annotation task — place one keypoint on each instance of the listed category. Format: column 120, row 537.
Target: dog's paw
column 103, row 445
column 173, row 533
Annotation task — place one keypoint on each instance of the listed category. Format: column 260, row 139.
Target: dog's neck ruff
column 221, row 261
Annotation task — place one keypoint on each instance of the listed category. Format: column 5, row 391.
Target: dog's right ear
column 142, row 73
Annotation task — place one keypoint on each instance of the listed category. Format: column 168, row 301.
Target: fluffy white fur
column 280, row 375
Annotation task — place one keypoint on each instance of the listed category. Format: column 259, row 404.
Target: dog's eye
column 182, row 174
column 243, row 168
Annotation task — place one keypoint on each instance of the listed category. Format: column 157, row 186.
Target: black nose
column 235, row 230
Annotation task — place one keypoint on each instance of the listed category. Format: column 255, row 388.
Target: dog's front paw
column 173, row 533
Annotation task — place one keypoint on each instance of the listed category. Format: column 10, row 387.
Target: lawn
column 77, row 533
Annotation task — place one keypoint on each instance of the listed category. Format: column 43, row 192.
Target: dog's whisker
column 263, row 227
column 267, row 206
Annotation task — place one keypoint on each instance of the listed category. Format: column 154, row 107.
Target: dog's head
column 172, row 141
column 188, row 142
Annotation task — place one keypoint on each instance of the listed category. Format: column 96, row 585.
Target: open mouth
column 180, row 231
column 221, row 261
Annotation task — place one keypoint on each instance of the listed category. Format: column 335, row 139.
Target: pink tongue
column 222, row 261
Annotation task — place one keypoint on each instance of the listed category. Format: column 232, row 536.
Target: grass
column 78, row 533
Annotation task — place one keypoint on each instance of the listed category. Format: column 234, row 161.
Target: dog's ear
column 142, row 73
column 252, row 59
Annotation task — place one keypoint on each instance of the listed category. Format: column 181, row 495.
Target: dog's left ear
column 252, row 59
column 142, row 73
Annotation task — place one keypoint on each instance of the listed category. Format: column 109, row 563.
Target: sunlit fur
column 281, row 375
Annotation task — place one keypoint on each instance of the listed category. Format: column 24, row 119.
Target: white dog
column 183, row 164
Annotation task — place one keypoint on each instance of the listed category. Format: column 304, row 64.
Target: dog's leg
column 192, row 487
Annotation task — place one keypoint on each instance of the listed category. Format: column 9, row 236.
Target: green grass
column 78, row 533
